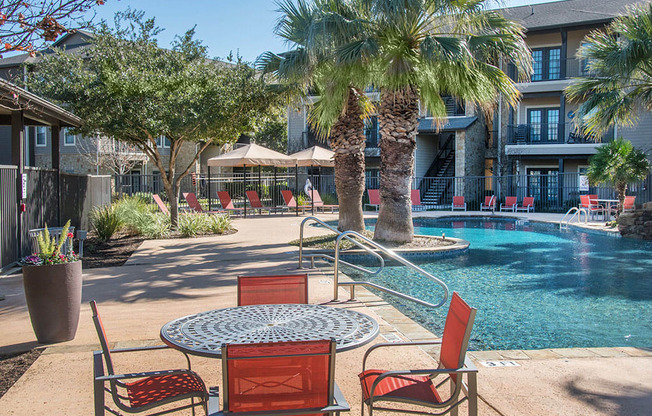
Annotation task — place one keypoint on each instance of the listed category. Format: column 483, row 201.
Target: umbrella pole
column 273, row 193
column 296, row 188
column 209, row 188
column 259, row 182
column 244, row 192
column 312, row 192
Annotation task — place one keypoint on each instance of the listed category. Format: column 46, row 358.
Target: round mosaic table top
column 205, row 332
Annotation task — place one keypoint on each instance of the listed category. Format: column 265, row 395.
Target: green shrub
column 132, row 211
column 192, row 225
column 105, row 221
column 302, row 199
column 154, row 225
column 329, row 199
column 218, row 224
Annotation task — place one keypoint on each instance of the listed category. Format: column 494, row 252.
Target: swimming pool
column 534, row 286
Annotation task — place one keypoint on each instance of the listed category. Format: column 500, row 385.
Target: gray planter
column 53, row 295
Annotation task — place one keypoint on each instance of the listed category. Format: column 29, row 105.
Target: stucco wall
column 425, row 153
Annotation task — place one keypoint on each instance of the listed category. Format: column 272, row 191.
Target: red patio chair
column 527, row 205
column 195, row 206
column 415, row 199
column 458, row 203
column 142, row 391
column 417, row 387
column 628, row 205
column 160, row 204
column 489, row 203
column 274, row 289
column 319, row 204
column 291, row 203
column 509, row 205
column 374, row 198
column 227, row 203
column 255, row 204
column 281, row 378
column 591, row 205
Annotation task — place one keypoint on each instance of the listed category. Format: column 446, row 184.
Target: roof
column 568, row 13
column 427, row 125
column 12, row 97
column 17, row 60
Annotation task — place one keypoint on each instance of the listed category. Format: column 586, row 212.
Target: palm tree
column 339, row 112
column 618, row 163
column 620, row 75
column 417, row 51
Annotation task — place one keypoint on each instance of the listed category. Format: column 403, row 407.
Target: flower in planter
column 50, row 249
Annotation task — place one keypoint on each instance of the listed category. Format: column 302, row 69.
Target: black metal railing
column 552, row 133
column 555, row 70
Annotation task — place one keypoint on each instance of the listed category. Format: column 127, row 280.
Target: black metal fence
column 551, row 192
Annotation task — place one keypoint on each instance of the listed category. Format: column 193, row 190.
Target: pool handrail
column 312, row 256
column 577, row 211
column 393, row 255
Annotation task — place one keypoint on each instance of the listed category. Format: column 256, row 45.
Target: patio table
column 204, row 333
column 606, row 202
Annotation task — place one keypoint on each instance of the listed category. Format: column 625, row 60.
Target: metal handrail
column 394, row 256
column 325, row 256
column 576, row 212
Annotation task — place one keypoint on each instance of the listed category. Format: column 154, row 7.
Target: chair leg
column 473, row 393
column 451, row 385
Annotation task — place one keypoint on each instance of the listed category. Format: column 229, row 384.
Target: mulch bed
column 12, row 366
column 112, row 253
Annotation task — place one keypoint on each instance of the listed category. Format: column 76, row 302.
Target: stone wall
column 637, row 223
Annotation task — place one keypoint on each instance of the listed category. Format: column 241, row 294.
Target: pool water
column 534, row 286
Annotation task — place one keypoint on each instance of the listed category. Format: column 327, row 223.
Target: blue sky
column 244, row 26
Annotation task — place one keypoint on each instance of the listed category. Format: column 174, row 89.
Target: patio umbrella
column 249, row 156
column 314, row 156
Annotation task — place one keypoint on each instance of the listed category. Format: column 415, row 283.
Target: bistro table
column 204, row 333
column 607, row 206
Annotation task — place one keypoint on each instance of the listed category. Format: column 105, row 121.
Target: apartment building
column 540, row 136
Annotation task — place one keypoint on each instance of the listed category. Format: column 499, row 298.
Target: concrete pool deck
column 166, row 279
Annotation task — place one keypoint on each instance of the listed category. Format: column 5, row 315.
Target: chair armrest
column 152, row 348
column 143, row 374
column 394, row 344
column 462, row 370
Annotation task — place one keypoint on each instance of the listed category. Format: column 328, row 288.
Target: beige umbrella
column 314, row 156
column 250, row 155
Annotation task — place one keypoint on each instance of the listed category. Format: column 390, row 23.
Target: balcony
column 555, row 70
column 552, row 133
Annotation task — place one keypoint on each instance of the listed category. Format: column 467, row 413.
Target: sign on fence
column 584, row 183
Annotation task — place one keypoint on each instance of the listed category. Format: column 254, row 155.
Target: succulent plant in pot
column 53, row 285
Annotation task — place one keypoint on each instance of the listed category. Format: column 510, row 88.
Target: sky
column 245, row 27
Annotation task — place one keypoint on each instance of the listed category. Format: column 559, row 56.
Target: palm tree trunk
column 621, row 189
column 398, row 118
column 348, row 142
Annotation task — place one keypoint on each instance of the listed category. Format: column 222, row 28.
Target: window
column 544, row 124
column 68, row 137
column 162, row 142
column 41, row 136
column 584, row 63
column 371, row 131
column 543, row 184
column 546, row 64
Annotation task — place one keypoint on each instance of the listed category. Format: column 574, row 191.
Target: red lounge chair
column 227, row 203
column 591, row 205
column 140, row 392
column 319, row 204
column 291, row 203
column 196, row 207
column 417, row 387
column 160, row 204
column 509, row 205
column 281, row 378
column 261, row 290
column 628, row 205
column 415, row 197
column 527, row 205
column 489, row 203
column 255, row 204
column 374, row 198
column 458, row 203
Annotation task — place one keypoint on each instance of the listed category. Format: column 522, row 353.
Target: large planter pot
column 53, row 295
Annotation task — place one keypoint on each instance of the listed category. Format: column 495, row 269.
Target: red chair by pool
column 458, row 203
column 489, row 203
column 417, row 387
column 415, row 198
column 591, row 205
column 195, row 206
column 509, row 205
column 527, row 205
column 374, row 198
column 255, row 204
column 291, row 203
column 273, row 289
column 142, row 391
column 628, row 205
column 227, row 203
column 160, row 204
column 280, row 378
column 319, row 204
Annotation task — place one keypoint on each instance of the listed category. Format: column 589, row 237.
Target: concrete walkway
column 167, row 279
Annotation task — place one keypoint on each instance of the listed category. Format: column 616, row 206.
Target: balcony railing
column 552, row 133
column 555, row 70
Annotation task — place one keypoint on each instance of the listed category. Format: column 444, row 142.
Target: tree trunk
column 621, row 188
column 348, row 142
column 398, row 118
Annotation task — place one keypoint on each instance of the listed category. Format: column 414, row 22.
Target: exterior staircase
column 435, row 186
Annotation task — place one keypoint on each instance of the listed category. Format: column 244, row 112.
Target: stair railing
column 439, row 160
